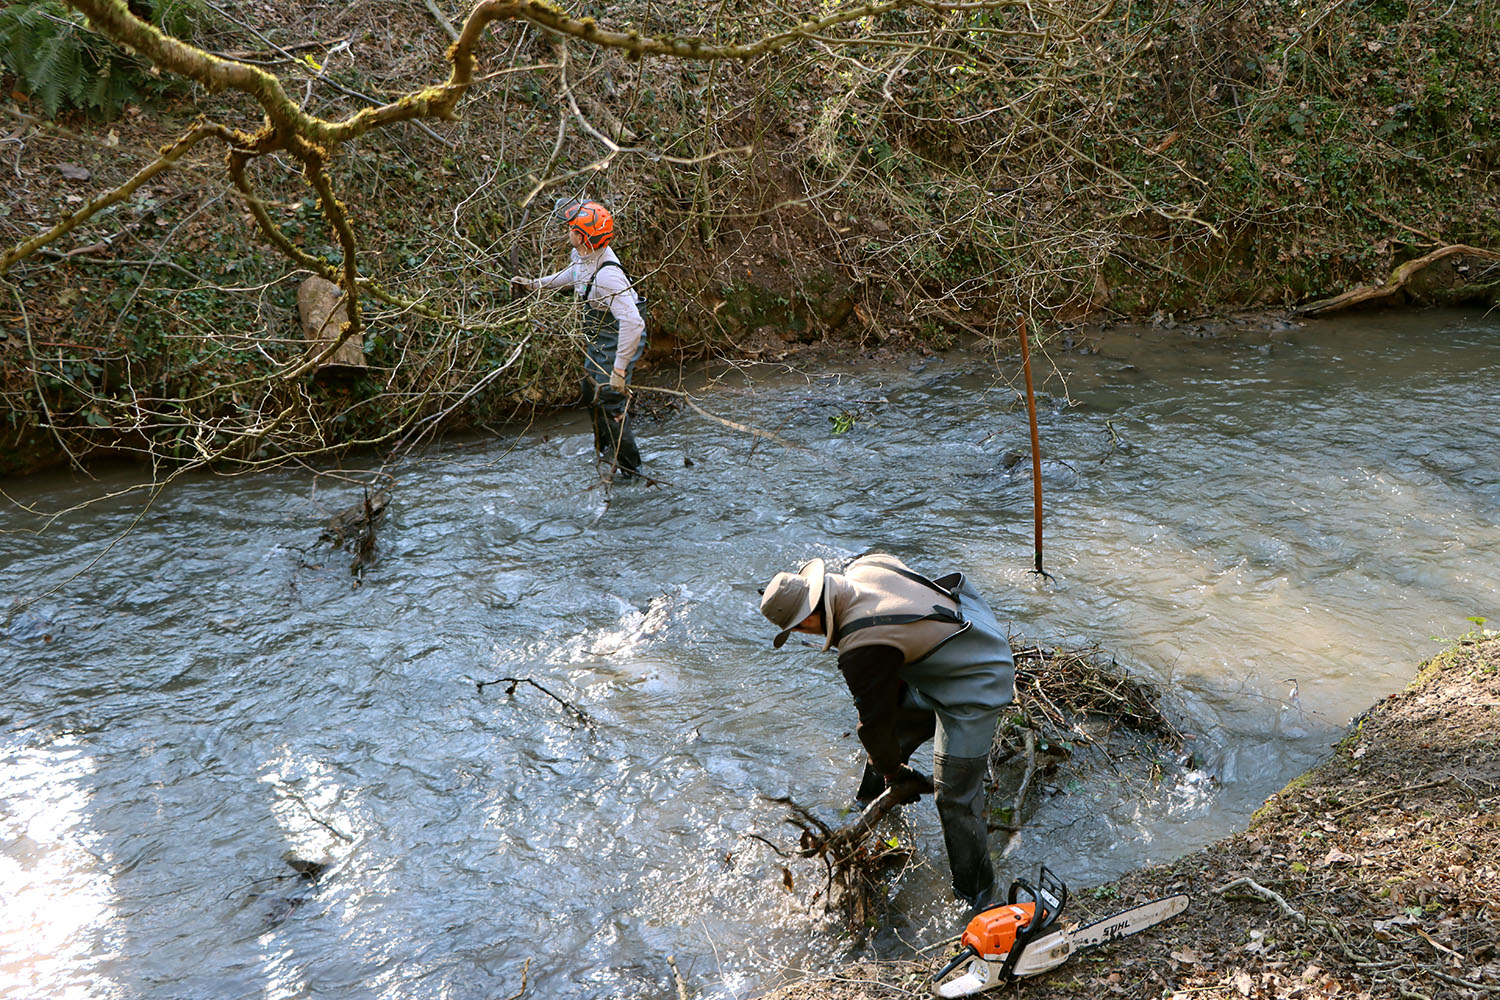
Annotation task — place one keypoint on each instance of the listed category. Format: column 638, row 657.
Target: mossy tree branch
column 312, row 140
column 169, row 156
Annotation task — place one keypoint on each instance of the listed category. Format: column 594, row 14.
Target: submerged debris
column 310, row 871
column 286, row 899
column 353, row 528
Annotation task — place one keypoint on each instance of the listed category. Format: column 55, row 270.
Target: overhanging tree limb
column 310, row 138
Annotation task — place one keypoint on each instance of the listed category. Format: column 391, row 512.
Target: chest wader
column 965, row 682
column 608, row 407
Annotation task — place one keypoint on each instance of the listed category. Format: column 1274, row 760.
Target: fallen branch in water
column 525, row 973
column 755, row 432
column 514, row 682
column 847, row 838
column 682, row 990
column 1393, row 284
column 1012, row 830
column 354, row 527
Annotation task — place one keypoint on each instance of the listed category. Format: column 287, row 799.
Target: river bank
column 1372, row 875
column 1147, row 162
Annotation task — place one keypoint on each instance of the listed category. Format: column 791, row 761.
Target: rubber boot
column 613, row 440
column 961, row 804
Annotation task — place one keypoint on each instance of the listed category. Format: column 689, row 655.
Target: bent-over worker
column 924, row 659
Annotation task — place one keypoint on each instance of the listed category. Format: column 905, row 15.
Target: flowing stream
column 1269, row 526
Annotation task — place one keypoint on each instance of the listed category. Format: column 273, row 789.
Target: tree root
column 851, row 865
column 1390, row 971
column 1265, row 893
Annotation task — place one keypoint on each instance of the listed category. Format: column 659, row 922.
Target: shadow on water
column 1269, row 528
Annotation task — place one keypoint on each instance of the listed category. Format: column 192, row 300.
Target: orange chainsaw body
column 992, row 933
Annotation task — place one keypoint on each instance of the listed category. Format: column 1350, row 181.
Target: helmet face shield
column 564, row 208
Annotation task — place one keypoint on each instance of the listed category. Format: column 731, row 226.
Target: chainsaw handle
column 963, row 956
column 1053, row 887
column 1047, row 898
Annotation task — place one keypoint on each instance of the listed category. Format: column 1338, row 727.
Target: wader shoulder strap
column 937, row 614
column 589, row 288
column 947, row 585
column 951, row 594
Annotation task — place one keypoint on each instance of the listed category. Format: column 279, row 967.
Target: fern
column 57, row 71
column 63, row 64
column 96, row 92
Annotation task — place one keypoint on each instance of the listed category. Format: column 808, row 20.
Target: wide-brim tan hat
column 790, row 597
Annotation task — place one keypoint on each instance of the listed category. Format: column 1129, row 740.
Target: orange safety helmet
column 591, row 219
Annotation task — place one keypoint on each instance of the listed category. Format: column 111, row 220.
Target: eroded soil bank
column 1376, row 874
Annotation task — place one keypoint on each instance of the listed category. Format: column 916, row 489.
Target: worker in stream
column 612, row 326
column 924, row 660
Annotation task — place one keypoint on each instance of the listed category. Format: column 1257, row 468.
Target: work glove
column 521, row 282
column 617, row 380
column 908, row 784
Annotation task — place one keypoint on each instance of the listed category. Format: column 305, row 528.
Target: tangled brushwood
column 1076, row 709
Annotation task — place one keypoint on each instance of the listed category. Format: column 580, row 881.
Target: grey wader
column 608, row 407
column 963, row 732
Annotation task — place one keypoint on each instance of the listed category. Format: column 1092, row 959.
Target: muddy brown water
column 1300, row 508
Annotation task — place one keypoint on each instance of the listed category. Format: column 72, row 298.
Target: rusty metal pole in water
column 1036, row 441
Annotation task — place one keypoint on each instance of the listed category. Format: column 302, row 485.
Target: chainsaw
column 1017, row 939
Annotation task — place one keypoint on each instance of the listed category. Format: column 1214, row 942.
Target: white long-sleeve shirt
column 611, row 291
